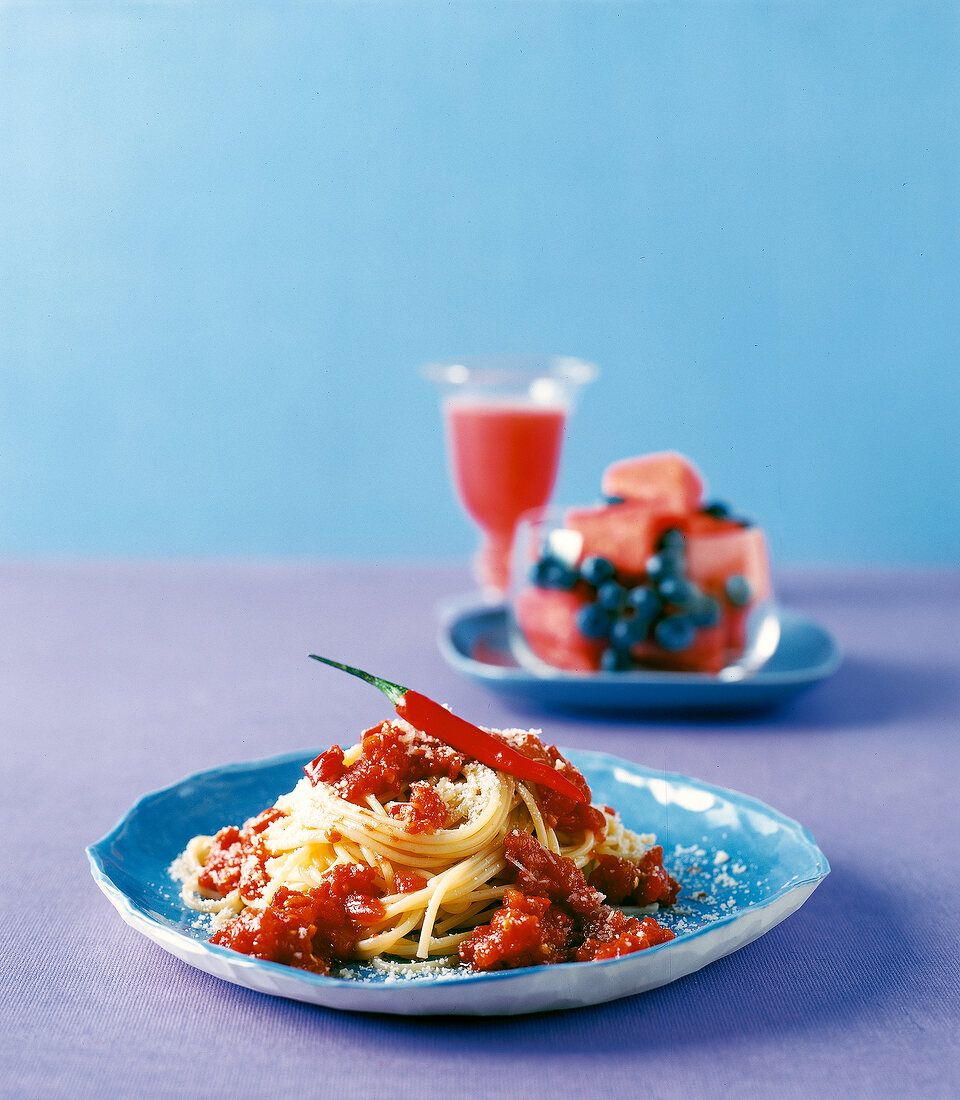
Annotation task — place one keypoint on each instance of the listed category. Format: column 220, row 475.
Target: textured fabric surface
column 118, row 679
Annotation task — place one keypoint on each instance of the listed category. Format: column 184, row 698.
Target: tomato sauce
column 616, row 934
column 408, row 882
column 390, row 760
column 525, row 931
column 424, row 813
column 312, row 930
column 554, row 916
column 238, row 858
column 643, row 883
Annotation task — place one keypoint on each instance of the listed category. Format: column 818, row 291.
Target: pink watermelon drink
column 505, row 417
column 653, row 579
column 504, row 458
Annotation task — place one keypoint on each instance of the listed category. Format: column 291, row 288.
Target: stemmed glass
column 504, row 417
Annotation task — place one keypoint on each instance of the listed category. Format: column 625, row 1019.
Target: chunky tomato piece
column 221, row 869
column 408, row 882
column 328, row 767
column 526, row 931
column 655, row 883
column 540, row 873
column 613, row 934
column 238, row 858
column 556, row 916
column 390, row 759
column 283, row 933
column 615, row 878
column 309, row 930
column 424, row 813
column 646, row 882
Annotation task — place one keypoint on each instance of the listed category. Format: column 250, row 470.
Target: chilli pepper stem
column 464, row 736
column 394, row 692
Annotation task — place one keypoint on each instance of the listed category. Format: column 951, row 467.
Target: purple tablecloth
column 118, row 679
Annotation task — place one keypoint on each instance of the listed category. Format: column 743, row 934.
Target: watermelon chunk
column 625, row 533
column 719, row 549
column 666, row 481
column 708, row 653
column 723, row 549
column 548, row 620
column 657, row 494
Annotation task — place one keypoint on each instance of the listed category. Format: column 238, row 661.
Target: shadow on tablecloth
column 863, row 692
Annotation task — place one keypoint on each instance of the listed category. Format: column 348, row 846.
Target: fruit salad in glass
column 655, row 577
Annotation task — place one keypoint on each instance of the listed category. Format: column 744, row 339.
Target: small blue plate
column 475, row 641
column 743, row 868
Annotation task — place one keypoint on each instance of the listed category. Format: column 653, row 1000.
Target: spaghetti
column 403, row 850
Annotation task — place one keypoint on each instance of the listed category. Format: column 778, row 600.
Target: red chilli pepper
column 426, row 715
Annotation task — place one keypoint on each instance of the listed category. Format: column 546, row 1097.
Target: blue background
column 230, row 233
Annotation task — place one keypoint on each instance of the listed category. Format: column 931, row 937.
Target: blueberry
column 674, row 561
column 678, row 591
column 614, row 660
column 672, row 539
column 672, row 551
column 738, row 590
column 564, row 577
column 659, row 565
column 644, row 601
column 595, row 570
column 675, row 632
column 593, row 621
column 614, row 500
column 552, row 573
column 611, row 596
column 721, row 510
column 628, row 632
column 705, row 611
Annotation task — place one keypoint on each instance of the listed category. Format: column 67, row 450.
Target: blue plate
column 743, row 867
column 475, row 641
